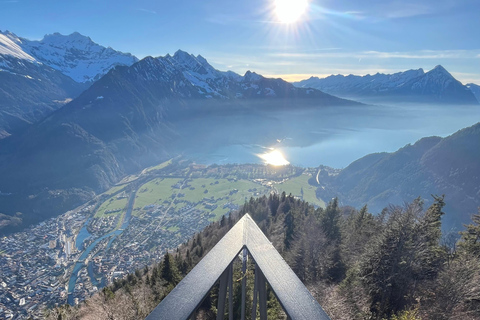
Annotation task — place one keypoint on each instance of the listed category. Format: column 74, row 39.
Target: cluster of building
column 35, row 264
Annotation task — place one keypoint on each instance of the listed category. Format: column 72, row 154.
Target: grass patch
column 127, row 180
column 113, row 190
column 111, row 204
column 155, row 192
column 159, row 191
column 120, row 220
column 159, row 167
column 173, row 229
column 295, row 186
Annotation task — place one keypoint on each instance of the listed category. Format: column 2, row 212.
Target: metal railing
column 217, row 267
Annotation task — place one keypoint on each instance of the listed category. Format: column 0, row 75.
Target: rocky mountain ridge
column 412, row 86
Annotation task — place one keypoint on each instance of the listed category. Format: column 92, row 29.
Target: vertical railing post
column 255, row 293
column 262, row 295
column 230, row 292
column 222, row 294
column 244, row 282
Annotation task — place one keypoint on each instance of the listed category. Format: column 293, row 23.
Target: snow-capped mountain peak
column 434, row 86
column 11, row 45
column 188, row 76
column 77, row 39
column 75, row 55
column 440, row 71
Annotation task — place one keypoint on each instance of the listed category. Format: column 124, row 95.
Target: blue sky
column 351, row 36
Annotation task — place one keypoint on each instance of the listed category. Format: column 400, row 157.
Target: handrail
column 271, row 268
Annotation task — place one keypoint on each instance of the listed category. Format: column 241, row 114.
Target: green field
column 295, row 185
column 111, row 204
column 160, row 189
column 155, row 192
column 158, row 167
column 113, row 190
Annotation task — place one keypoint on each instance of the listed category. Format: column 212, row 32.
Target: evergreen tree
column 169, row 271
column 330, row 222
column 430, row 254
column 470, row 241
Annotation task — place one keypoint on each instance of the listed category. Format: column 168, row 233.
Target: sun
column 290, row 11
column 274, row 158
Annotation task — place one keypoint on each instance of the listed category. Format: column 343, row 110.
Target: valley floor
column 70, row 257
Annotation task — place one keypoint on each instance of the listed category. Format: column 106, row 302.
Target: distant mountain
column 38, row 77
column 29, row 90
column 475, row 90
column 433, row 165
column 134, row 117
column 74, row 55
column 415, row 86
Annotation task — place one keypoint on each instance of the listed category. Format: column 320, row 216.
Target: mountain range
column 38, row 77
column 136, row 116
column 76, row 117
column 432, row 165
column 412, row 86
column 475, row 90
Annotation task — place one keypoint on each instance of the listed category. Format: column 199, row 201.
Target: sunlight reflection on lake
column 275, row 158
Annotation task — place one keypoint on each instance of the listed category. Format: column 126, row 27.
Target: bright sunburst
column 289, row 11
column 274, row 158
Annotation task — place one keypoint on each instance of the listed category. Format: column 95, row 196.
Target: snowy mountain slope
column 435, row 86
column 11, row 45
column 29, row 89
column 192, row 76
column 74, row 55
column 475, row 90
column 358, row 84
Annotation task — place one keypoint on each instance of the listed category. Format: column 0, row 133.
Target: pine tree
column 470, row 241
column 330, row 222
column 169, row 271
column 430, row 254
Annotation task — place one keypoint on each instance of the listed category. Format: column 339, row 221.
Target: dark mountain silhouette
column 432, row 165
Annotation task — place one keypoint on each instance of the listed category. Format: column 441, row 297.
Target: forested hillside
column 395, row 265
column 435, row 165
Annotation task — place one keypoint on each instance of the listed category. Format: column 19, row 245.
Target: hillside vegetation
column 395, row 265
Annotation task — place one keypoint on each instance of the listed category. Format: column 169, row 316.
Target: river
column 80, row 264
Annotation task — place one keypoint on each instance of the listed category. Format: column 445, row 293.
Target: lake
column 338, row 136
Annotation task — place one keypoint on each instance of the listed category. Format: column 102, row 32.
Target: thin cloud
column 146, row 10
column 423, row 54
column 409, row 10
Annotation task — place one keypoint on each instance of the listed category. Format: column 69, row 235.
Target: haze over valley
column 109, row 159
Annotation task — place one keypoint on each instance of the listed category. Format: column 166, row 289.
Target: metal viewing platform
column 217, row 266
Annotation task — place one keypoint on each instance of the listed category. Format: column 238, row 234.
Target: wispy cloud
column 422, row 54
column 406, row 10
column 146, row 10
column 466, row 77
